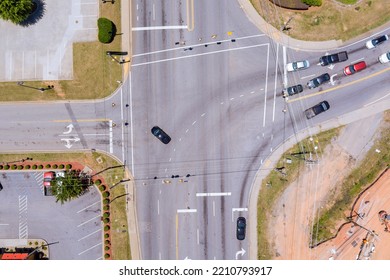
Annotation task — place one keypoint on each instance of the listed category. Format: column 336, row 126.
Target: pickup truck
column 333, row 58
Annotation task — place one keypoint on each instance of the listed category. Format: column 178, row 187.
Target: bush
column 312, row 2
column 97, row 182
column 107, row 242
column 106, row 207
column 34, row 166
column 102, row 188
column 107, row 30
column 6, row 167
column 68, row 166
column 61, row 166
column 106, row 215
column 40, row 166
column 55, row 166
column 107, row 248
column 106, row 220
column 48, row 166
column 28, row 166
column 106, row 235
column 106, row 256
column 106, row 201
column 106, row 228
column 20, row 167
column 106, row 194
column 13, row 167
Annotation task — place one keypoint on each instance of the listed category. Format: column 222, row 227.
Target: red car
column 47, row 178
column 351, row 69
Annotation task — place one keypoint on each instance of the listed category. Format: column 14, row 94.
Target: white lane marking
column 237, row 209
column 4, row 224
column 154, row 11
column 174, row 149
column 266, row 87
column 203, row 115
column 170, row 159
column 357, row 60
column 198, row 45
column 194, row 123
column 285, row 80
column 213, row 208
column 252, row 92
column 88, row 235
column 197, row 236
column 137, row 18
column 110, row 131
column 214, row 194
column 95, row 134
column 276, row 80
column 302, row 78
column 331, row 79
column 23, row 226
column 221, row 103
column 123, row 132
column 98, row 216
column 137, row 6
column 131, row 128
column 159, row 255
column 195, row 55
column 232, row 98
column 99, row 244
column 368, row 104
column 158, row 207
column 187, row 130
column 186, row 210
column 241, row 95
column 164, row 27
column 88, row 207
column 179, row 139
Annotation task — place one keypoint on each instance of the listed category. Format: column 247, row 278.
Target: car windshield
column 47, row 179
column 351, row 69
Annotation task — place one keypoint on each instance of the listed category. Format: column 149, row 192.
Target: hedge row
column 34, row 166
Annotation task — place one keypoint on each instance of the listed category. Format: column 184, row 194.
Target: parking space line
column 88, row 206
column 89, row 220
column 90, row 248
column 4, row 224
column 88, row 235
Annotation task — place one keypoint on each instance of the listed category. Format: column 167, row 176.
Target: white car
column 384, row 58
column 376, row 41
column 298, row 65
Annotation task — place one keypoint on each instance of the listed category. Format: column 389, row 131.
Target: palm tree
column 15, row 10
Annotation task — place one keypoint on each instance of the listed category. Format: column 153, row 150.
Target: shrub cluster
column 107, row 30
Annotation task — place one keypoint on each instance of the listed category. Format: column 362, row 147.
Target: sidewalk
column 271, row 161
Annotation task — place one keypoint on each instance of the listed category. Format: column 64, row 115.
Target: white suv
column 384, row 58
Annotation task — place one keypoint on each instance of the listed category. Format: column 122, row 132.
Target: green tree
column 107, row 30
column 68, row 185
column 15, row 10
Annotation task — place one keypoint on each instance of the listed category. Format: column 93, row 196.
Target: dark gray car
column 241, row 228
column 313, row 83
column 161, row 135
column 317, row 109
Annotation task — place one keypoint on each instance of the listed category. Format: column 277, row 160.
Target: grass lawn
column 361, row 177
column 330, row 21
column 275, row 183
column 94, row 74
column 120, row 243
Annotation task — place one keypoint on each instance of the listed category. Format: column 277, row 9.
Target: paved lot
column 43, row 51
column 26, row 213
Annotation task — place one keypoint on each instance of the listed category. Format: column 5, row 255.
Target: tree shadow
column 36, row 14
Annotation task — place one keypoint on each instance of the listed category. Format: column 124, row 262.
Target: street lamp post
column 41, row 89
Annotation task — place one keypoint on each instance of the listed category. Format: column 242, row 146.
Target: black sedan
column 241, row 227
column 161, row 135
column 292, row 90
column 313, row 83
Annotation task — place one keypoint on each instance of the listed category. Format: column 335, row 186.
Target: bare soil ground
column 293, row 213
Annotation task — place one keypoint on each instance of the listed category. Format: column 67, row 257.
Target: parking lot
column 25, row 213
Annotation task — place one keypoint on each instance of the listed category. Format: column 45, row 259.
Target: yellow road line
column 339, row 87
column 85, row 120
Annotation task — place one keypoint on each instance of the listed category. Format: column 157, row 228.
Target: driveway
column 25, row 213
